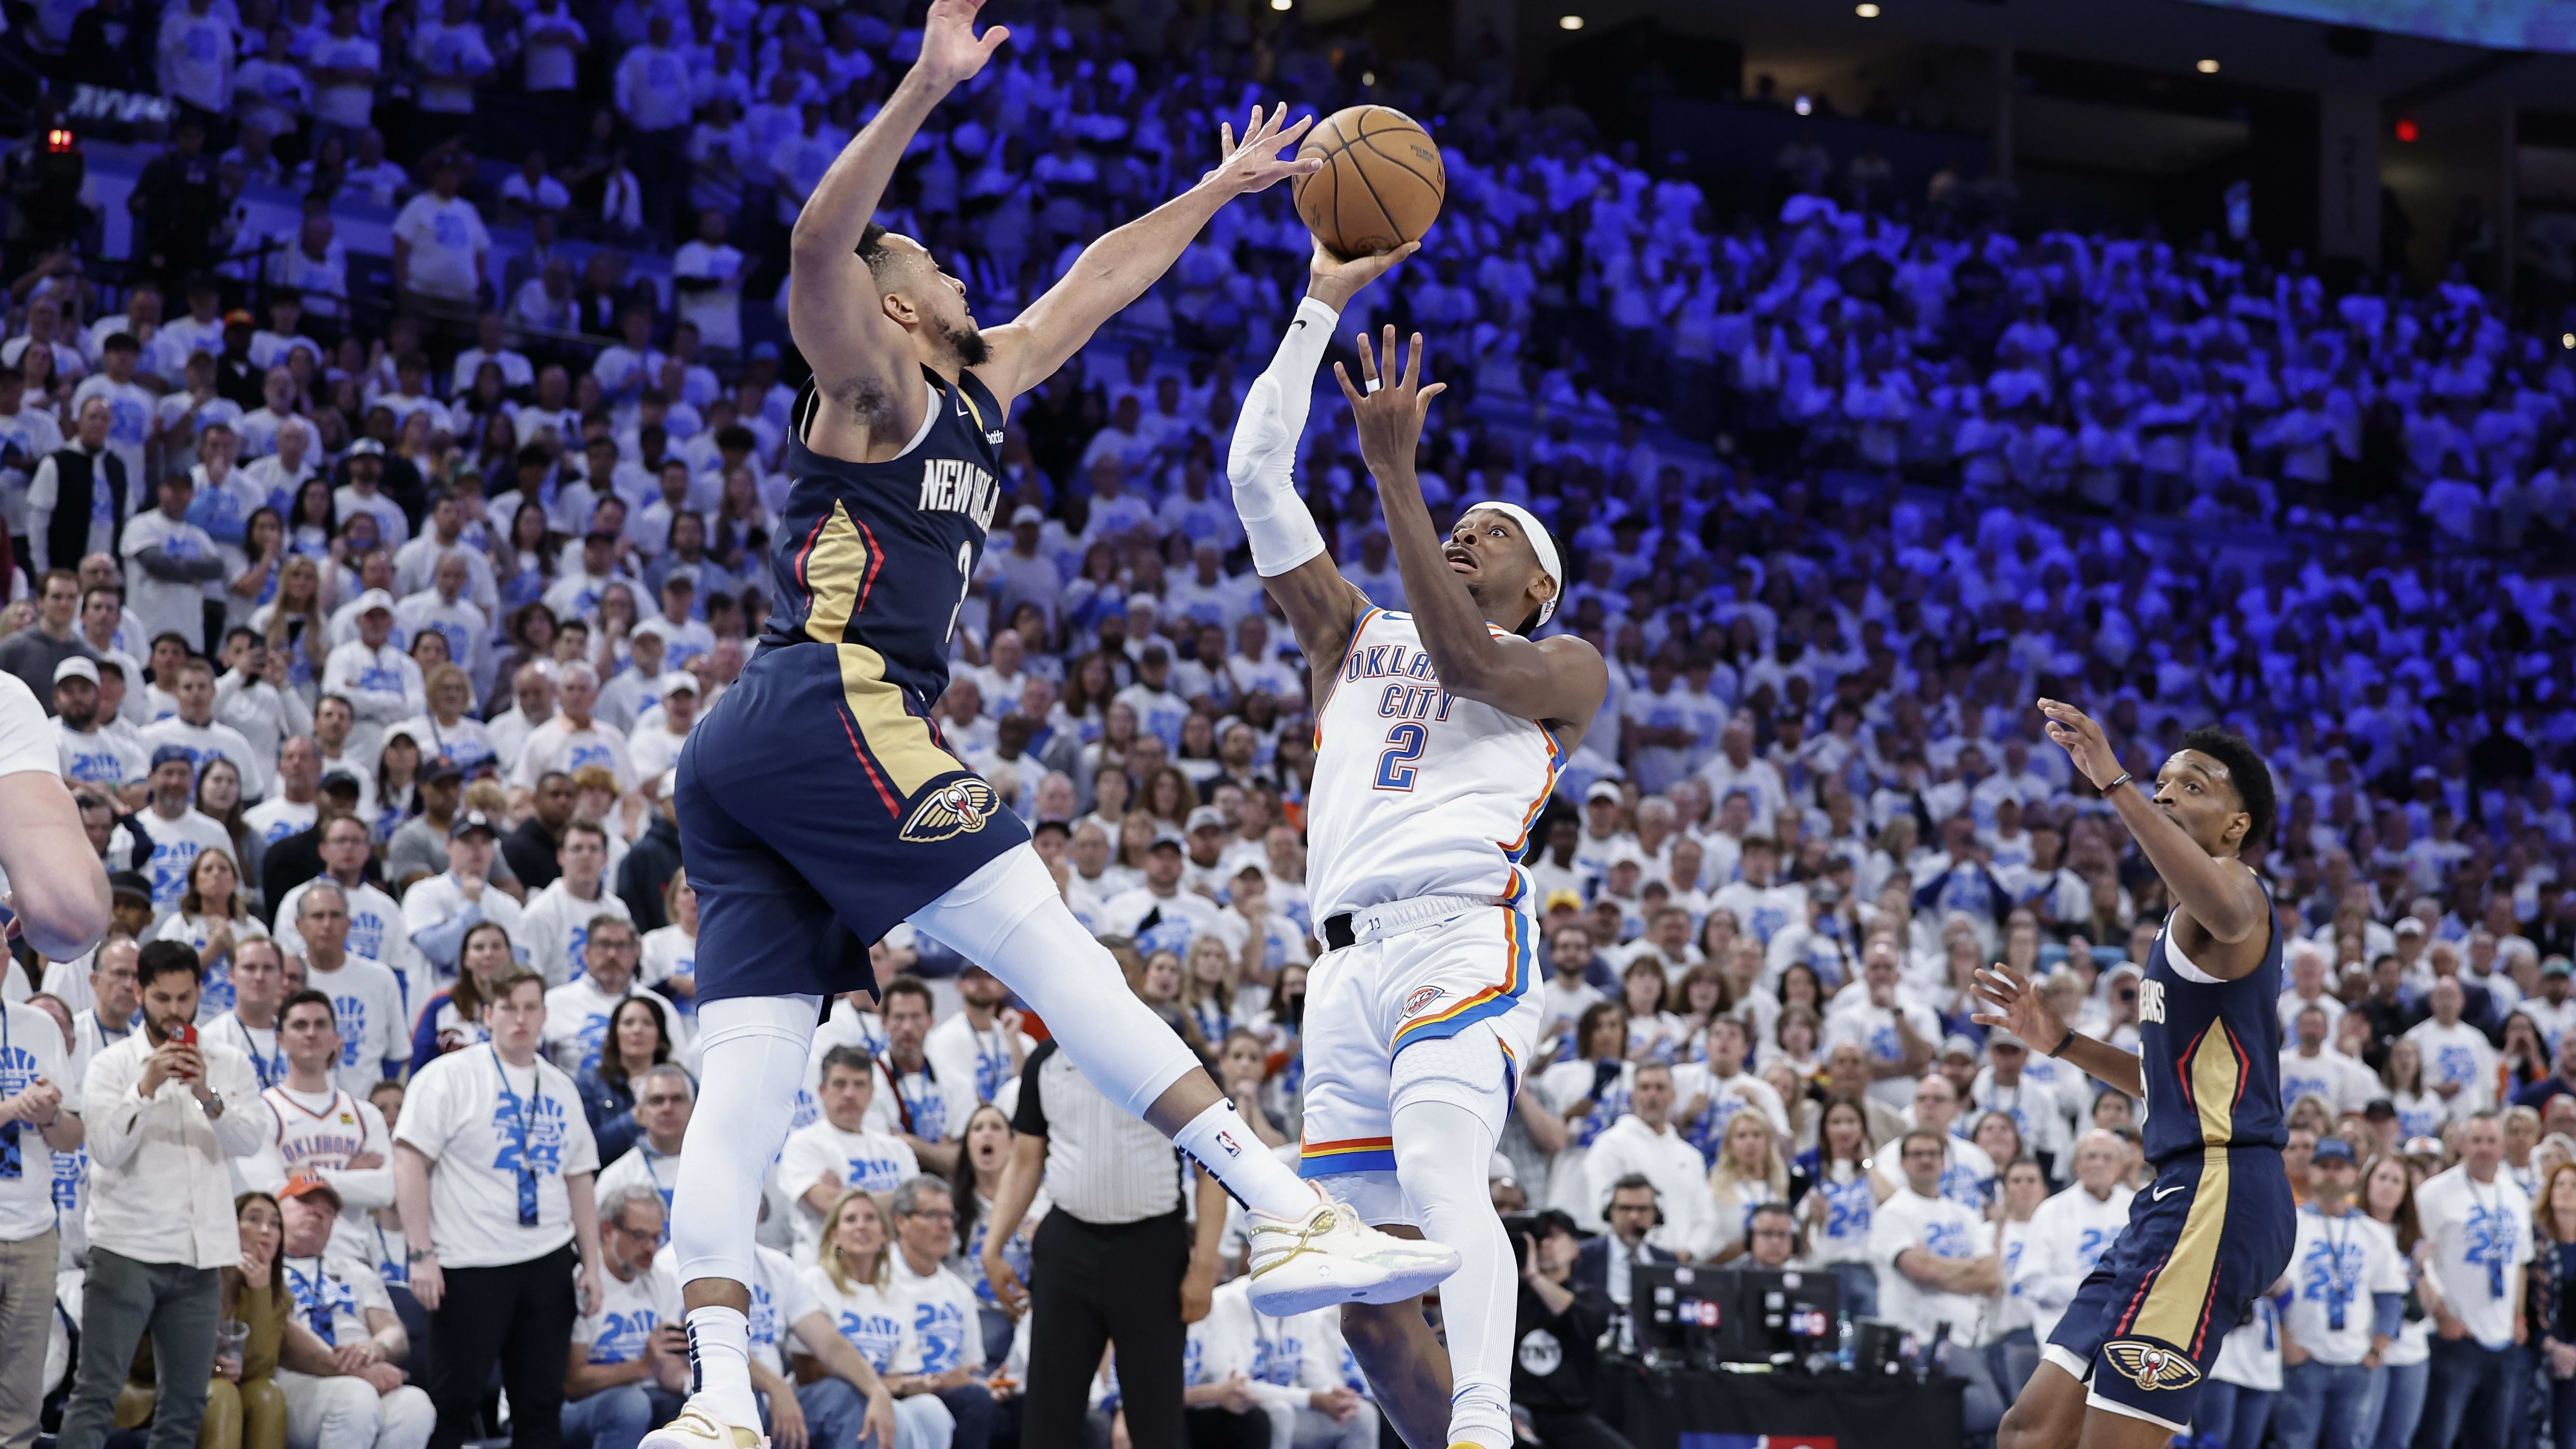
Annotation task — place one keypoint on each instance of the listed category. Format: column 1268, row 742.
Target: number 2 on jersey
column 965, row 585
column 1403, row 746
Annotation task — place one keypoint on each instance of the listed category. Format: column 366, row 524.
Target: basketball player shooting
column 1440, row 733
column 818, row 792
column 2125, row 1366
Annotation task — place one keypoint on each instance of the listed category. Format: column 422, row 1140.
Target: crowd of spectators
column 371, row 648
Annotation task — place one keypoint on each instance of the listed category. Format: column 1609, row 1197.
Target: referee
column 1109, row 1262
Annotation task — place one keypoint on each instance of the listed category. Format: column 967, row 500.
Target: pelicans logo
column 2151, row 1366
column 960, row 807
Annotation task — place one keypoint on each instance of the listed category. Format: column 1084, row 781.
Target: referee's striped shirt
column 1102, row 1165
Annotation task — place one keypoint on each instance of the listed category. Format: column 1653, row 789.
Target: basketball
column 1381, row 185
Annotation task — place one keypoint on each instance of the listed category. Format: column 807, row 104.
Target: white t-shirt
column 2336, row 1266
column 334, row 1291
column 2456, row 1053
column 1967, row 1176
column 166, row 606
column 277, row 817
column 961, row 1054
column 557, row 928
column 2481, row 1234
column 876, row 1322
column 31, row 1046
column 2067, row 1236
column 2346, row 1085
column 445, row 238
column 641, row 1166
column 577, row 1015
column 341, row 104
column 927, row 1103
column 374, row 1028
column 944, row 1315
column 629, row 1311
column 96, row 757
column 872, row 1160
column 482, row 1122
column 376, row 931
column 175, row 845
column 1940, row 1227
column 1874, row 1028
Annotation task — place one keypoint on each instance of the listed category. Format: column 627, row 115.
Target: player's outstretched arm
column 1559, row 678
column 1287, row 550
column 1116, row 269
column 833, row 310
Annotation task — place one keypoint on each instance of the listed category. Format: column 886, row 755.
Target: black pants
column 1092, row 1286
column 1574, row 1429
column 521, row 1316
column 1212, row 1427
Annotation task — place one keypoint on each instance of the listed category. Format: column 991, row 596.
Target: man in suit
column 1602, row 1269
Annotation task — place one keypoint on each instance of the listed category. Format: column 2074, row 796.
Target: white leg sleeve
column 1448, row 1097
column 752, row 1060
column 1009, row 919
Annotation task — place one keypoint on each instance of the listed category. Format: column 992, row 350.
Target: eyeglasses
column 939, row 1215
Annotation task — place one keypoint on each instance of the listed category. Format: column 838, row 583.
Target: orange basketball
column 1381, row 184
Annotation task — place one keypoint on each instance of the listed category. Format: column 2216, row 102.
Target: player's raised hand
column 1253, row 163
column 2006, row 1000
column 1334, row 280
column 2082, row 739
column 951, row 51
column 1388, row 411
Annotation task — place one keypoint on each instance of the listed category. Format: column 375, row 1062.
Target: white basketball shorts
column 1442, row 970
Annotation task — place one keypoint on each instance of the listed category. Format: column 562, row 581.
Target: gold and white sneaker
column 1330, row 1256
column 697, row 1427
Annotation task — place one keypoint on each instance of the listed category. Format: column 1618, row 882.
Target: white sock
column 1218, row 1140
column 720, row 1365
column 1441, row 1151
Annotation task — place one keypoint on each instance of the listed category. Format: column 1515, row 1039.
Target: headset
column 1630, row 1183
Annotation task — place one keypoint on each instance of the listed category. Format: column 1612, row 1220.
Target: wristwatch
column 214, row 1105
column 419, row 1255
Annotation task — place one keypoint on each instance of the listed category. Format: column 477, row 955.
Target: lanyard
column 528, row 1110
column 12, row 1159
column 250, row 1048
column 2495, row 1258
column 2338, row 1292
column 308, row 1292
column 645, row 1152
column 894, row 1084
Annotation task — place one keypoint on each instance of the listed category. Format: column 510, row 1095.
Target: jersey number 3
column 1404, row 744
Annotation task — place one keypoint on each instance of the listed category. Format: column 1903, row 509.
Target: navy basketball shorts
column 814, row 793
column 2211, row 1234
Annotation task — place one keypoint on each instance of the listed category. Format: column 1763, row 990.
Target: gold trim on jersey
column 2177, row 1301
column 836, row 571
column 899, row 739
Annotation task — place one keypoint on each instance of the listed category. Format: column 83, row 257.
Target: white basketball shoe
column 698, row 1427
column 1330, row 1256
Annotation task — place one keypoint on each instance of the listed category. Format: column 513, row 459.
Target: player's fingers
column 1225, row 140
column 1344, row 379
column 1422, row 400
column 1368, row 357
column 1290, row 136
column 994, row 37
column 1412, row 359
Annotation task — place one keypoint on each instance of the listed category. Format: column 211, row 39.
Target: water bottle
column 1843, row 1334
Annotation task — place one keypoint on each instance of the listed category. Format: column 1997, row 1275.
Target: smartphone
column 186, row 1034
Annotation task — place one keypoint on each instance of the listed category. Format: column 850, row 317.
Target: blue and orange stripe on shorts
column 1350, row 1154
column 1493, row 1000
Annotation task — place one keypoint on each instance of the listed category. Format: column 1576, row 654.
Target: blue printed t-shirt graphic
column 763, row 1317
column 2012, row 1261
column 876, row 1174
column 126, row 419
column 321, row 1298
column 1883, row 1044
column 929, row 1110
column 593, row 1034
column 622, row 1336
column 1276, row 1361
column 2331, row 1275
column 1193, row 1363
column 875, row 1335
column 352, row 1013
column 17, row 1074
column 2453, row 1064
column 1948, row 1240
column 942, row 1331
column 532, row 1140
column 103, row 766
column 71, row 1171
column 2489, row 1238
column 170, row 862
column 216, row 996
column 1849, row 1207
column 1608, row 1108
column 1709, row 1131
column 2091, row 1245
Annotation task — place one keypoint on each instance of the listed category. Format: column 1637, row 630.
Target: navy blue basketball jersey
column 2211, row 1052
column 877, row 557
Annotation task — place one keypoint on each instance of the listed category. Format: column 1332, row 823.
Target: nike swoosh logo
column 1300, row 322
column 2160, row 1194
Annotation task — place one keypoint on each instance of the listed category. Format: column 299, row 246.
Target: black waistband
column 1337, row 932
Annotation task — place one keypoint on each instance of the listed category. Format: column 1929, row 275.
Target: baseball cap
column 2557, row 966
column 76, row 668
column 1602, row 790
column 678, row 681
column 1564, row 898
column 129, row 883
column 305, row 1184
column 366, row 448
column 2002, row 1038
column 1825, row 891
column 167, row 753
column 340, row 780
column 372, row 600
column 764, row 352
column 2408, row 926
column 1026, row 513
column 440, row 767
column 1166, row 835
column 1206, row 817
column 240, row 317
column 2331, row 1149
column 469, row 821
column 1958, row 1044
column 2422, row 1147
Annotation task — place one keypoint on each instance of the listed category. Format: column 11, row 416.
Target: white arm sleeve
column 1262, row 462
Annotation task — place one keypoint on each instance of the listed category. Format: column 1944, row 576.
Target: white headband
column 1539, row 542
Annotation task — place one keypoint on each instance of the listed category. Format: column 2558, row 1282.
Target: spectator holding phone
column 166, row 1114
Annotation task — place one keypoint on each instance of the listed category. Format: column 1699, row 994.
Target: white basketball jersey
column 307, row 1139
column 1417, row 792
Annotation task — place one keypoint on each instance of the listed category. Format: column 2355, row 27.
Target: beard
column 81, row 717
column 967, row 341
